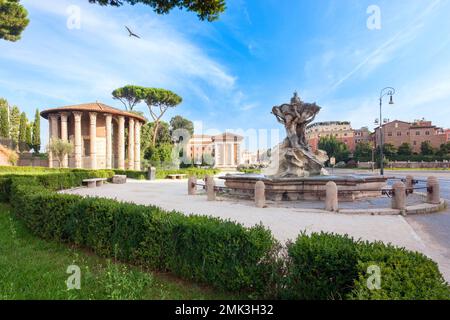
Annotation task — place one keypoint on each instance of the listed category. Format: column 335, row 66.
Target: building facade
column 97, row 132
column 398, row 132
column 341, row 130
column 362, row 135
column 224, row 149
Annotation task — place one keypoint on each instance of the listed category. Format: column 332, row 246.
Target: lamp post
column 388, row 91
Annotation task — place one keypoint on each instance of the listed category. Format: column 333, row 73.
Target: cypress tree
column 22, row 132
column 29, row 140
column 14, row 121
column 36, row 142
column 4, row 119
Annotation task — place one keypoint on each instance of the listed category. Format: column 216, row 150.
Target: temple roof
column 93, row 107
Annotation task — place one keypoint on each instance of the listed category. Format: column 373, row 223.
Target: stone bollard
column 211, row 193
column 151, row 173
column 399, row 198
column 433, row 193
column 331, row 200
column 260, row 194
column 409, row 183
column 192, row 186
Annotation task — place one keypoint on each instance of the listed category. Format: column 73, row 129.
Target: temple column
column 216, row 154
column 121, row 143
column 51, row 119
column 64, row 136
column 137, row 146
column 93, row 139
column 131, row 144
column 108, row 120
column 77, row 132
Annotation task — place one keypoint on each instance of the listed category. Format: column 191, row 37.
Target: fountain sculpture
column 296, row 172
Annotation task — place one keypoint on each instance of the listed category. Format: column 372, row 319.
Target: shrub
column 217, row 252
column 197, row 172
column 209, row 250
column 138, row 175
column 404, row 275
column 329, row 266
column 321, row 266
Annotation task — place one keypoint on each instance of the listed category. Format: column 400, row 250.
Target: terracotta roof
column 92, row 107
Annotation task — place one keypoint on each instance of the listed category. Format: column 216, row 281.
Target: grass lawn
column 32, row 268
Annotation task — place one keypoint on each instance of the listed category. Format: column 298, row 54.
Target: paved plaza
column 428, row 234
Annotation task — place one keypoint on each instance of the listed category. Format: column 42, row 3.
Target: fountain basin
column 350, row 187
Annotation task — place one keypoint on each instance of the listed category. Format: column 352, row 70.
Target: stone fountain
column 295, row 171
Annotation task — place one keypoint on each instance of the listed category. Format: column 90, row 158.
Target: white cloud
column 386, row 51
column 100, row 56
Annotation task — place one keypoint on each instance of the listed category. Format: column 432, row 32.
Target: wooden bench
column 94, row 182
column 176, row 176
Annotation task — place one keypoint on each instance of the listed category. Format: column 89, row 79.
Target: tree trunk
column 155, row 133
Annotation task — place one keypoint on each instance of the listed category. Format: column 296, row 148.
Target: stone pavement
column 285, row 223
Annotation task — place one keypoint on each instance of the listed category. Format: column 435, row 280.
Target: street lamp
column 388, row 91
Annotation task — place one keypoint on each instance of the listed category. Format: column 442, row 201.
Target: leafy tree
column 37, row 132
column 426, row 148
column 4, row 119
column 158, row 102
column 405, row 149
column 159, row 155
column 178, row 122
column 389, row 150
column 205, row 9
column 129, row 95
column 14, row 120
column 363, row 151
column 444, row 149
column 60, row 148
column 334, row 148
column 13, row 19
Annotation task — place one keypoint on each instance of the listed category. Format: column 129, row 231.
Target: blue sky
column 231, row 72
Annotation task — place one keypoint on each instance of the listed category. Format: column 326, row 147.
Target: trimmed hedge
column 221, row 253
column 328, row 266
column 138, row 175
column 196, row 172
column 405, row 275
column 51, row 180
column 205, row 249
column 162, row 173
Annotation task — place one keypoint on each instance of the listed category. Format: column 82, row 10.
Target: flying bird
column 131, row 33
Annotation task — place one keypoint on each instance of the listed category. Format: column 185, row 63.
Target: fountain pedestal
column 350, row 188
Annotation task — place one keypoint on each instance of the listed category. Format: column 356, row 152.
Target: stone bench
column 94, row 182
column 176, row 176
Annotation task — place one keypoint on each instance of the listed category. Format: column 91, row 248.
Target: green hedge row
column 329, row 266
column 197, row 172
column 220, row 253
column 208, row 250
column 163, row 173
column 139, row 175
column 51, row 180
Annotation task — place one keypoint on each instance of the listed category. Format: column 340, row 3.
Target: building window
column 390, row 134
column 417, row 133
column 415, row 143
column 399, row 134
column 427, row 133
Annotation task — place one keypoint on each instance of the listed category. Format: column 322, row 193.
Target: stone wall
column 409, row 165
column 28, row 160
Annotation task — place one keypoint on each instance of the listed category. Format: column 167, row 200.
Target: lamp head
column 391, row 100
